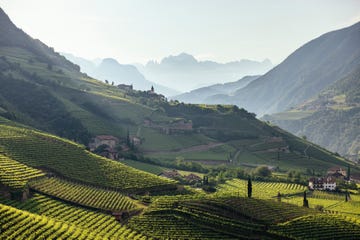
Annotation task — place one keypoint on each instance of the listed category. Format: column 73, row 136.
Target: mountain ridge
column 111, row 70
column 185, row 73
column 205, row 94
column 304, row 73
column 330, row 119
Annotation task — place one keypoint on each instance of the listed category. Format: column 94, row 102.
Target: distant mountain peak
column 110, row 61
column 182, row 58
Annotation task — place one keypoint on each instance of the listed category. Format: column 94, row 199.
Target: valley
column 82, row 158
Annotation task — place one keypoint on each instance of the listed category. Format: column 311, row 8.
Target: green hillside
column 330, row 119
column 71, row 160
column 53, row 187
column 76, row 107
column 41, row 89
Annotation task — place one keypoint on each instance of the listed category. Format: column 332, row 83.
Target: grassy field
column 151, row 168
column 155, row 141
column 219, row 153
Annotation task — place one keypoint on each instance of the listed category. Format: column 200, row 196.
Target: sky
column 135, row 31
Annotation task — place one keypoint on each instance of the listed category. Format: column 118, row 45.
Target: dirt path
column 197, row 148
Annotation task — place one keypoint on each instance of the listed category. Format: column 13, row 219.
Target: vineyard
column 16, row 175
column 81, row 190
column 319, row 226
column 83, row 195
column 262, row 190
column 98, row 223
column 191, row 220
column 53, row 187
column 330, row 202
column 71, row 160
column 18, row 224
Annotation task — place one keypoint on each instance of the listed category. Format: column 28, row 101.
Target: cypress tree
column 305, row 201
column 249, row 186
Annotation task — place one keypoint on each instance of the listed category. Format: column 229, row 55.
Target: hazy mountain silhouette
column 111, row 70
column 184, row 72
column 208, row 94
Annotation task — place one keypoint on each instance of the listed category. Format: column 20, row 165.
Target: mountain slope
column 70, row 160
column 204, row 95
column 11, row 36
column 59, row 99
column 331, row 119
column 303, row 74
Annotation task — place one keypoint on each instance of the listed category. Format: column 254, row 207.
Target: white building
column 325, row 183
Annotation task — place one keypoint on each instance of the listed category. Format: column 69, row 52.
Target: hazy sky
column 220, row 30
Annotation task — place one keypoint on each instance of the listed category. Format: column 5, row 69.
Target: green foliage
column 249, row 188
column 18, row 224
column 83, row 195
column 95, row 222
column 44, row 109
column 262, row 171
column 262, row 190
column 320, row 226
column 72, row 161
column 16, row 175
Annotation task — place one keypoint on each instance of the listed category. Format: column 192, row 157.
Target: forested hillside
column 331, row 119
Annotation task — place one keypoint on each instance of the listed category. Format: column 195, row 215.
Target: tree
column 112, row 83
column 347, row 196
column 205, row 180
column 249, row 186
column 279, row 197
column 263, row 171
column 348, row 173
column 305, row 201
column 100, row 149
column 106, row 81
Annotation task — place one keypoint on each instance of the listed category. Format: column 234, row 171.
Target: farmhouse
column 337, row 172
column 135, row 140
column 192, row 178
column 125, row 87
column 108, row 140
column 170, row 174
column 180, row 126
column 322, row 183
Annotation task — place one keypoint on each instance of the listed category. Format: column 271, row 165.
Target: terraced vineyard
column 73, row 161
column 16, row 175
column 18, row 224
column 330, row 202
column 262, row 190
column 264, row 210
column 83, row 195
column 172, row 226
column 209, row 217
column 98, row 223
column 321, row 226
